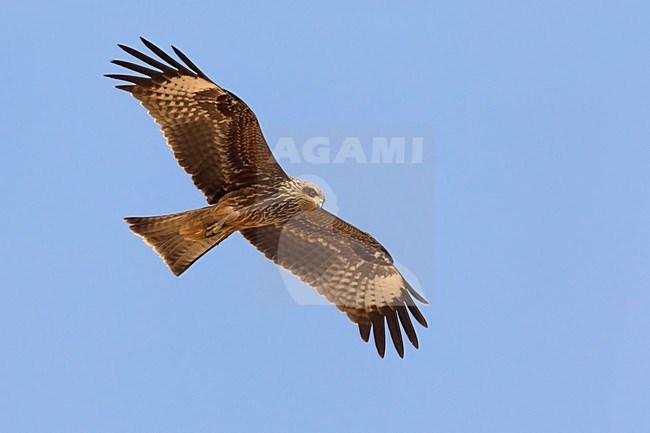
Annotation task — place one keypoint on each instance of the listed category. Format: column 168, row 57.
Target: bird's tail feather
column 180, row 238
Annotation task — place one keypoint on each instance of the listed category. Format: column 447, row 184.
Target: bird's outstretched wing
column 347, row 266
column 214, row 135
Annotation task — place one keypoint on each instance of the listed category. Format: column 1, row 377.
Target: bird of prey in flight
column 217, row 139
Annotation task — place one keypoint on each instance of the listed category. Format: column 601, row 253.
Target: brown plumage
column 217, row 140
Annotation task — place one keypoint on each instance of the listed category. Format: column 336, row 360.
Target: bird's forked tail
column 180, row 239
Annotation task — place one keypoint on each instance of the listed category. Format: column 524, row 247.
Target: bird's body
column 260, row 205
column 217, row 140
column 177, row 238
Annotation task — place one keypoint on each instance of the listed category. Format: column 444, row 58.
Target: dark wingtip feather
column 137, row 68
column 395, row 333
column 166, row 57
column 146, row 41
column 415, row 294
column 190, row 64
column 408, row 326
column 417, row 314
column 148, row 60
column 126, row 87
column 379, row 334
column 129, row 78
column 364, row 330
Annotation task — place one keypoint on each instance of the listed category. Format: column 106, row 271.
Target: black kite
column 217, row 140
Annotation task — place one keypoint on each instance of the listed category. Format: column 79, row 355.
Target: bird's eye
column 311, row 192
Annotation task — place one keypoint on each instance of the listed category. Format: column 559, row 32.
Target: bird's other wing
column 347, row 266
column 214, row 135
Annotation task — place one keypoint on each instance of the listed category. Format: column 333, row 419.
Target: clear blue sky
column 526, row 224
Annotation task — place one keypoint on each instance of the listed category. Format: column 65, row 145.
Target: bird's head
column 311, row 195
